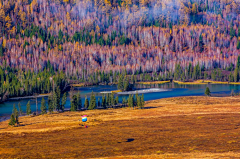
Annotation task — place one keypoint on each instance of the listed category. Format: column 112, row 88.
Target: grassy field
column 181, row 127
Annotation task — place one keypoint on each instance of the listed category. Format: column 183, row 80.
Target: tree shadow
column 130, row 140
column 151, row 107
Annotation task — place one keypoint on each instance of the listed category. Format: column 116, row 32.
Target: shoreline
column 203, row 82
column 28, row 97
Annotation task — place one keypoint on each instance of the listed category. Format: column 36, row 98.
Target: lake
column 165, row 91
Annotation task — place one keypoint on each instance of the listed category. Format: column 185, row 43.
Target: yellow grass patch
column 45, row 94
column 154, row 82
column 206, row 82
column 78, row 85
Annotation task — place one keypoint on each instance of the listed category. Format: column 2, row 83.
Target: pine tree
column 126, row 84
column 79, row 101
column 112, row 100
column 92, row 102
column 74, row 103
column 28, row 108
column 130, row 100
column 15, row 113
column 120, row 82
column 236, row 76
column 142, row 101
column 86, row 103
column 50, row 104
column 207, row 92
column 64, row 100
column 43, row 106
column 116, row 101
column 54, row 101
column 123, row 101
column 58, row 97
column 138, row 101
column 107, row 100
column 19, row 108
column 104, row 102
column 12, row 121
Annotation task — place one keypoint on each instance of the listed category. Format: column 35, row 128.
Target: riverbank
column 199, row 82
column 29, row 97
column 175, row 126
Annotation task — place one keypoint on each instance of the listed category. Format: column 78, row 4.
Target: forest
column 44, row 44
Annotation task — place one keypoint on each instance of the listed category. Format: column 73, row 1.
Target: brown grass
column 182, row 127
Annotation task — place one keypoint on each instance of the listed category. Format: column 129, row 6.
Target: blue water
column 174, row 90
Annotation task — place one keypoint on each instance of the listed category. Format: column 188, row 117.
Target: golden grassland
column 206, row 82
column 153, row 82
column 180, row 127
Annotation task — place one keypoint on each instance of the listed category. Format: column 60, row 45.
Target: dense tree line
column 14, row 82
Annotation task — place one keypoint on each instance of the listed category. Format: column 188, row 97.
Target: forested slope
column 95, row 40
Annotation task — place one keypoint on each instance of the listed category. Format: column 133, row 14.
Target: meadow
column 189, row 127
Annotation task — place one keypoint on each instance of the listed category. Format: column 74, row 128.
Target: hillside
column 80, row 37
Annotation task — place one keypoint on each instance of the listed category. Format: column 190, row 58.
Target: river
column 151, row 92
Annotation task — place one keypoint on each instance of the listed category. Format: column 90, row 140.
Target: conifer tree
column 86, row 103
column 58, row 98
column 120, row 82
column 54, row 101
column 130, row 101
column 28, row 108
column 236, row 76
column 112, row 100
column 79, row 101
column 207, row 92
column 142, row 101
column 74, row 103
column 104, row 101
column 137, row 99
column 64, row 100
column 12, row 121
column 92, row 102
column 50, row 104
column 123, row 101
column 43, row 106
column 20, row 108
column 15, row 113
column 126, row 84
column 116, row 101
